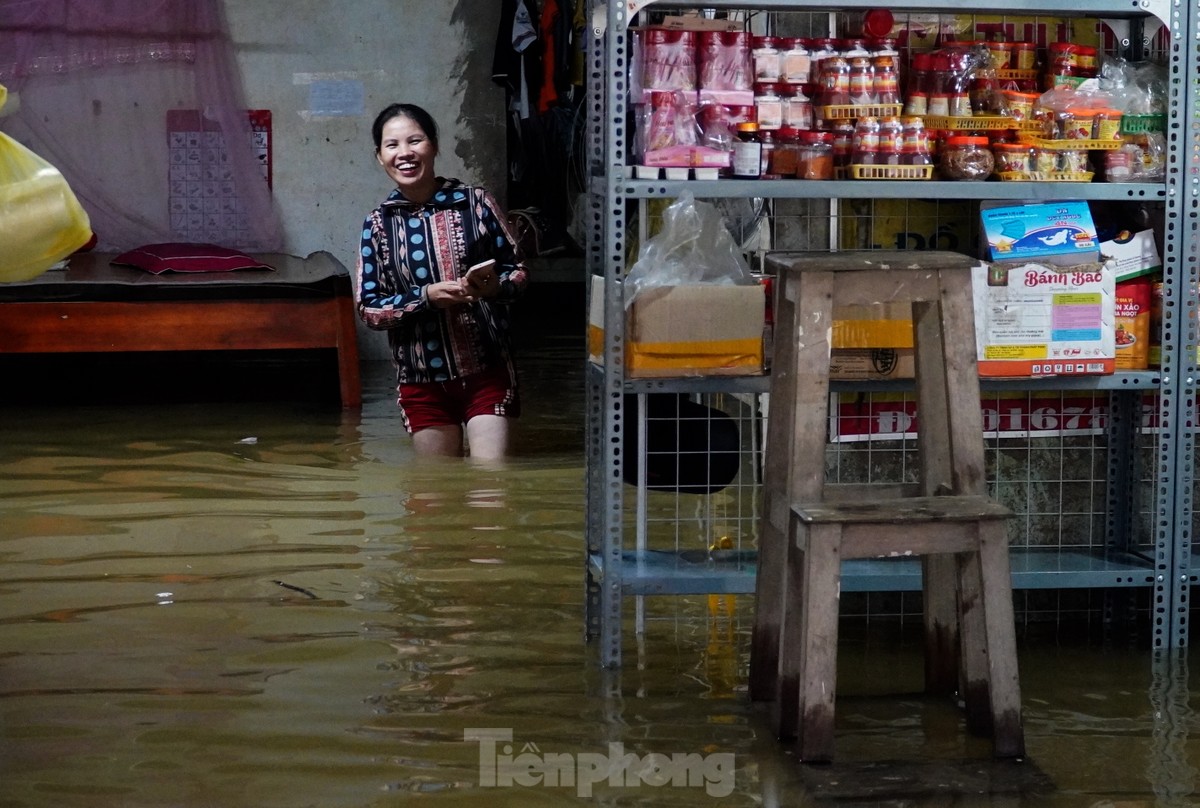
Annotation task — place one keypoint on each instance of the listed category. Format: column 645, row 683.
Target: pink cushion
column 187, row 257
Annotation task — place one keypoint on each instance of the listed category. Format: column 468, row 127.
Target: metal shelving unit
column 615, row 570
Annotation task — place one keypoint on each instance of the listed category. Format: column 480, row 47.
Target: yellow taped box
column 690, row 330
column 872, row 342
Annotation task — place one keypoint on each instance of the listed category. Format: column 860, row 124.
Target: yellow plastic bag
column 41, row 221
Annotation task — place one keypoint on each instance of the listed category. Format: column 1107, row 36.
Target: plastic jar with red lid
column 814, row 156
column 768, row 59
column 966, row 157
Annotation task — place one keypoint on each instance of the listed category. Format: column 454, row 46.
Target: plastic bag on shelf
column 41, row 221
column 693, row 246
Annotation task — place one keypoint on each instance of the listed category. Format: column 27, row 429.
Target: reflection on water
column 274, row 603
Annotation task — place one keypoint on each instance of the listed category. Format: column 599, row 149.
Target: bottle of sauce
column 891, row 141
column 915, row 151
column 766, row 137
column 886, row 80
column 747, row 152
column 862, row 81
column 834, row 82
column 866, row 142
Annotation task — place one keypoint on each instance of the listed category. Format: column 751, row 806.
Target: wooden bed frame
column 93, row 306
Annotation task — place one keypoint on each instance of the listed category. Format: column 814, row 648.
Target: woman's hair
column 411, row 111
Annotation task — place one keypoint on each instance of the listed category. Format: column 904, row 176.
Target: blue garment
column 406, row 246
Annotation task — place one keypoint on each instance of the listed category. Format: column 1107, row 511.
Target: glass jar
column 797, row 62
column 785, row 156
column 1073, row 161
column 820, row 50
column 797, row 109
column 768, row 65
column 1013, row 157
column 768, row 106
column 814, row 156
column 1045, row 161
column 1024, row 56
column 966, row 157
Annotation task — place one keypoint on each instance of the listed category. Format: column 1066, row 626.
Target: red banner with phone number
column 881, row 416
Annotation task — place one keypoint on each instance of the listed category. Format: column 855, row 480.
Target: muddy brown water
column 268, row 602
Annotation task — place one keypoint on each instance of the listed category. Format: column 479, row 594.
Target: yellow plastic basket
column 858, row 172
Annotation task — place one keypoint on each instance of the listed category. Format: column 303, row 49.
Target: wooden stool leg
column 976, row 674
column 785, row 707
column 1000, row 627
column 795, row 452
column 769, row 585
column 940, row 615
column 822, row 581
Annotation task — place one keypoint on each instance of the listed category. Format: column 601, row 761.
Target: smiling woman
column 437, row 269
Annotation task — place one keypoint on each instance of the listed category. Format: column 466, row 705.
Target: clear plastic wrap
column 693, row 246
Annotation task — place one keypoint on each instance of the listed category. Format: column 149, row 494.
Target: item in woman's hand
column 481, row 276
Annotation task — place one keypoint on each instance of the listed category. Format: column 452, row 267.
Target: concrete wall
column 436, row 53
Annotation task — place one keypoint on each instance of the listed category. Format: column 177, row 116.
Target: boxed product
column 1038, row 319
column 867, row 364
column 1133, row 323
column 1060, row 233
column 1132, row 254
column 703, row 329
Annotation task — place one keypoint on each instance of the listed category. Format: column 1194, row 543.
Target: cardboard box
column 1133, row 254
column 1036, row 319
column 690, row 330
column 1059, row 233
column 866, row 364
column 872, row 342
column 883, row 325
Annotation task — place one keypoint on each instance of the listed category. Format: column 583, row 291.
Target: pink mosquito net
column 139, row 103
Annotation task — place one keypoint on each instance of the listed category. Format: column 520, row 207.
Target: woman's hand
column 448, row 294
column 481, row 280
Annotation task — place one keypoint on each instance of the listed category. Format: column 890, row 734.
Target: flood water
column 207, row 601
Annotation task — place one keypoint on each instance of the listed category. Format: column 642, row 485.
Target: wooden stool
column 946, row 519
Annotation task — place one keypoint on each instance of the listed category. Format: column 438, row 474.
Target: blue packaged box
column 1055, row 232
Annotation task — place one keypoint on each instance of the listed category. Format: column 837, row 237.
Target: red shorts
column 453, row 403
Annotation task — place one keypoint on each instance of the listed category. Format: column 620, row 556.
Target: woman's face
column 406, row 154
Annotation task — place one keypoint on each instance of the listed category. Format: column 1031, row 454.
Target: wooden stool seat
column 946, row 519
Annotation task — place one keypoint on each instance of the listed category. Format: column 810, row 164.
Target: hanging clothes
column 517, row 60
